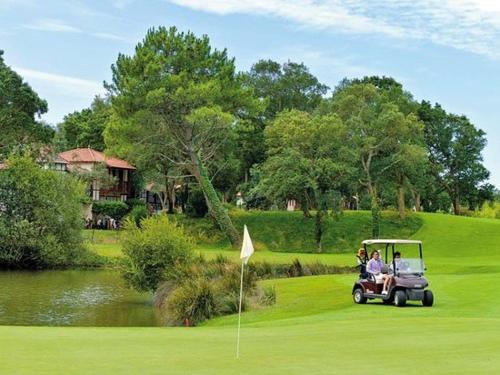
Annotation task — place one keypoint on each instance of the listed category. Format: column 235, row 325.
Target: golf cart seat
column 371, row 277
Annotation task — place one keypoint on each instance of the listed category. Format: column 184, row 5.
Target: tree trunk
column 416, row 200
column 304, row 206
column 401, row 202
column 319, row 228
column 456, row 205
column 163, row 201
column 213, row 202
column 171, row 198
column 375, row 211
column 454, row 193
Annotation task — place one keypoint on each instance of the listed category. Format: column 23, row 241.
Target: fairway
column 313, row 328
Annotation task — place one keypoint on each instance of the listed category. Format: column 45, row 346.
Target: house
column 57, row 164
column 89, row 160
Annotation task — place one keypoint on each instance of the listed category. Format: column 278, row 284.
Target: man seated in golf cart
column 375, row 267
column 397, row 263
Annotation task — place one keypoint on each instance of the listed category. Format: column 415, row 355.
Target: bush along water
column 188, row 289
column 207, row 289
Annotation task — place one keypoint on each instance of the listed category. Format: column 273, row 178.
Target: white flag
column 247, row 247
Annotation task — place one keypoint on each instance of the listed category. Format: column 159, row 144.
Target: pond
column 72, row 298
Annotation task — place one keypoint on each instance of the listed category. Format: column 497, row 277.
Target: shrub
column 114, row 209
column 489, row 210
column 268, row 296
column 40, row 216
column 154, row 250
column 137, row 214
column 196, row 205
column 134, row 202
column 203, row 290
column 194, row 300
column 266, row 270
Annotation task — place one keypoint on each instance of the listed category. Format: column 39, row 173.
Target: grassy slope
column 313, row 328
column 279, row 237
column 282, row 231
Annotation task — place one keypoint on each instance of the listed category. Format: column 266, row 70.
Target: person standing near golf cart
column 374, row 266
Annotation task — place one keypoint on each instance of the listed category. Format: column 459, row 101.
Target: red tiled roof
column 88, row 155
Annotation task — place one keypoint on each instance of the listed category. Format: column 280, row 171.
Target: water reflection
column 76, row 298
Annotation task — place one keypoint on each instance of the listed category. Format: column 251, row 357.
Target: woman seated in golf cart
column 361, row 259
column 374, row 267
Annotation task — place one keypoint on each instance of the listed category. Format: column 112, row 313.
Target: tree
column 84, row 128
column 41, row 215
column 380, row 132
column 182, row 99
column 308, row 160
column 287, row 86
column 454, row 146
column 20, row 107
column 280, row 87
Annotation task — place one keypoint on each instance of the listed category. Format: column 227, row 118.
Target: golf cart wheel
column 428, row 299
column 400, row 298
column 358, row 296
column 388, row 301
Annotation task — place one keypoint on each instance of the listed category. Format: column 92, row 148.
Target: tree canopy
column 179, row 98
column 308, row 160
column 20, row 111
column 454, row 147
column 380, row 132
column 84, row 128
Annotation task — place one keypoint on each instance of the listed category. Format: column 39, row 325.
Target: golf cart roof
column 393, row 241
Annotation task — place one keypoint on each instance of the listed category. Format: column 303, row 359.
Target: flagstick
column 239, row 313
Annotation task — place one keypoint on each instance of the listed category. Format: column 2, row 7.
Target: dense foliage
column 308, row 161
column 153, row 250
column 84, row 128
column 174, row 102
column 40, row 216
column 114, row 209
column 20, row 107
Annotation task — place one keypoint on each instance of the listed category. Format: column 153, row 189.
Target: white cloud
column 469, row 25
column 49, row 24
column 58, row 26
column 111, row 37
column 73, row 86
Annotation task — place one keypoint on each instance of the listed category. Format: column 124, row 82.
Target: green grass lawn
column 313, row 328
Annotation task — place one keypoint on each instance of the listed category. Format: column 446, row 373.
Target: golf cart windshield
column 408, row 266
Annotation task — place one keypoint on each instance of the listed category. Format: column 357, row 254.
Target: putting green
column 313, row 328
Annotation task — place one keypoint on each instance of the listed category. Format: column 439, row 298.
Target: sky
column 445, row 51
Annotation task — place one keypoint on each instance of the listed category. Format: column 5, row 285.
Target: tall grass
column 206, row 289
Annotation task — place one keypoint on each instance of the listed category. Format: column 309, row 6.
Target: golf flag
column 246, row 252
column 247, row 247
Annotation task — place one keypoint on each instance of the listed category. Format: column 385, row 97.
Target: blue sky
column 445, row 51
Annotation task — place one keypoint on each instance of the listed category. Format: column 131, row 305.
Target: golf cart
column 408, row 282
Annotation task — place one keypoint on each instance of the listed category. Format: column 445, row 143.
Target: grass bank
column 282, row 231
column 277, row 234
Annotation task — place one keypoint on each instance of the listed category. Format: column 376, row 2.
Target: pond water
column 72, row 298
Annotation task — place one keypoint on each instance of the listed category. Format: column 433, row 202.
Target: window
column 123, row 197
column 125, row 176
column 95, row 195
